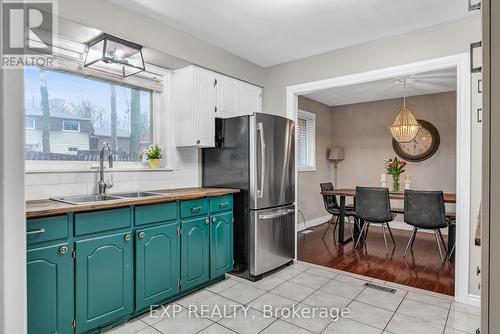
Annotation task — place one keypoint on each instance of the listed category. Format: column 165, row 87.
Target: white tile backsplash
column 185, row 174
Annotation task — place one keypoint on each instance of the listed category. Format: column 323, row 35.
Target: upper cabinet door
column 204, row 107
column 50, row 290
column 251, row 98
column 228, row 97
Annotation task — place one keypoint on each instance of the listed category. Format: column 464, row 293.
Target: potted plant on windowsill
column 395, row 167
column 153, row 156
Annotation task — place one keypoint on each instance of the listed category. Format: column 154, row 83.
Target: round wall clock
column 422, row 147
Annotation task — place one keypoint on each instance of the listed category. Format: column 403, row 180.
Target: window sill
column 96, row 170
column 306, row 169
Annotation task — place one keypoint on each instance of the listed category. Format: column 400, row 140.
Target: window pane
column 68, row 117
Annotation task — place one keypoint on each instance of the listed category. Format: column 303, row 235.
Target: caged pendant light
column 405, row 127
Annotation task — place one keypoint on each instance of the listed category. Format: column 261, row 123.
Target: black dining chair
column 374, row 207
column 333, row 208
column 425, row 210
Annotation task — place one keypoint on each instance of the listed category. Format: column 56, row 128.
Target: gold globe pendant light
column 405, row 127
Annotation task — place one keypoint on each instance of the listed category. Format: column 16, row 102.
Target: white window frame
column 311, row 166
column 68, row 121
column 161, row 119
column 31, row 119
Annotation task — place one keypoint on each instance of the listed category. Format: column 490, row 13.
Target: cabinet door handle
column 223, row 204
column 476, row 6
column 214, row 219
column 473, row 46
column 37, row 231
column 480, row 86
column 196, row 208
column 63, row 249
column 479, row 115
column 207, row 221
column 142, row 235
column 128, row 237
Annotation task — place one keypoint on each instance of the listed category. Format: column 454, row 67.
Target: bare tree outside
column 135, row 127
column 114, row 139
column 44, row 94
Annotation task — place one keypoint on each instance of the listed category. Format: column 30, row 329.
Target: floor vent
column 380, row 287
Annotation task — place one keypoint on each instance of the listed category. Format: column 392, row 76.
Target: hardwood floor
column 421, row 269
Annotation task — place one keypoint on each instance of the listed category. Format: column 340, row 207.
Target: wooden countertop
column 47, row 207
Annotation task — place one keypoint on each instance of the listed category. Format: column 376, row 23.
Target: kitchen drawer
column 194, row 208
column 100, row 221
column 47, row 229
column 221, row 203
column 149, row 214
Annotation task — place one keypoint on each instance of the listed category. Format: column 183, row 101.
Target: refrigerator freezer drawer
column 272, row 238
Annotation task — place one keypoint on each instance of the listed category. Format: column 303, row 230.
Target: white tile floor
column 309, row 286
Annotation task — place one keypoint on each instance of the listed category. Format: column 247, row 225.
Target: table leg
column 342, row 221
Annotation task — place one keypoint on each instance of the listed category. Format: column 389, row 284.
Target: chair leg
column 410, row 241
column 392, row 236
column 360, row 234
column 330, row 222
column 439, row 246
column 451, row 252
column 442, row 240
column 385, row 239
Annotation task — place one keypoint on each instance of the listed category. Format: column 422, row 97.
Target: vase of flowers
column 395, row 167
column 153, row 156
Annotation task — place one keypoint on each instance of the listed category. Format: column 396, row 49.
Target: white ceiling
column 416, row 84
column 269, row 32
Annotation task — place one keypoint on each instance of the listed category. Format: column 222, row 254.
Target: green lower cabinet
column 104, row 280
column 50, row 290
column 195, row 255
column 157, row 257
column 221, row 244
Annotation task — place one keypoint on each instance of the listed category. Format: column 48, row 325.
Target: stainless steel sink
column 86, row 199
column 137, row 194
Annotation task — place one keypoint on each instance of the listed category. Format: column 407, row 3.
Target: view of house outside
column 68, row 117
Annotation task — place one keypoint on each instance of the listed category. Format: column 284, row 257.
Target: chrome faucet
column 103, row 185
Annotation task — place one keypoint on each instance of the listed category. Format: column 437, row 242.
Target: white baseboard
column 313, row 222
column 397, row 225
column 474, row 300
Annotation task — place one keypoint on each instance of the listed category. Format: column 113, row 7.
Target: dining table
column 348, row 192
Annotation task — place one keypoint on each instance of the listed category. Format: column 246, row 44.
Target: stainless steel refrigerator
column 256, row 154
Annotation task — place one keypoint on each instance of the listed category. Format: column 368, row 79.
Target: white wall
column 12, row 216
column 185, row 174
column 122, row 22
column 438, row 41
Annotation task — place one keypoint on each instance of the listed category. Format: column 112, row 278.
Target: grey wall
column 103, row 15
column 361, row 129
column 441, row 40
column 308, row 197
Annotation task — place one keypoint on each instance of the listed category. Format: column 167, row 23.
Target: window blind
column 305, row 140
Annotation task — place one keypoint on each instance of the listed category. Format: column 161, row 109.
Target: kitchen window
column 75, row 113
column 306, row 141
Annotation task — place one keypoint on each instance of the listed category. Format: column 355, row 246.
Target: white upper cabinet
column 250, row 98
column 194, row 104
column 228, row 97
column 201, row 95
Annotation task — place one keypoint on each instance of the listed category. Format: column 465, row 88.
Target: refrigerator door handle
column 277, row 214
column 260, row 129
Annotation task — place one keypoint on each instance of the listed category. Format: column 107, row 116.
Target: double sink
column 89, row 199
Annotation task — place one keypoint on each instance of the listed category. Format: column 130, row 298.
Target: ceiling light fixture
column 114, row 55
column 405, row 127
